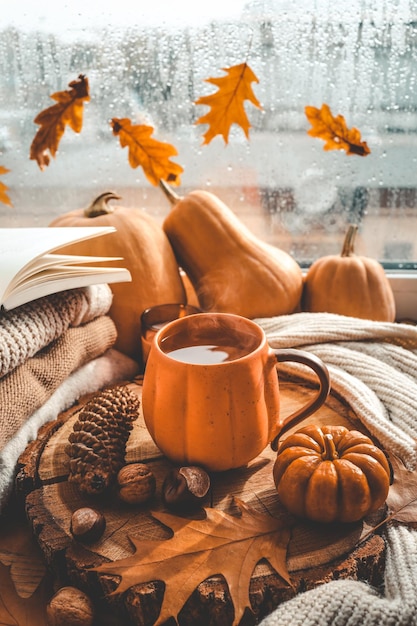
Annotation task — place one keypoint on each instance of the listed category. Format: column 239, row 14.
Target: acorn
column 185, row 487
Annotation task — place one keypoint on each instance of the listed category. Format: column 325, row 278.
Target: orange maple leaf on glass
column 220, row 544
column 4, row 198
column 152, row 155
column 334, row 131
column 67, row 112
column 227, row 103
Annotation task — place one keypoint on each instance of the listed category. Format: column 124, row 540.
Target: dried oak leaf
column 227, row 103
column 152, row 155
column 67, row 112
column 220, row 544
column 402, row 495
column 4, row 198
column 334, row 131
column 18, row 611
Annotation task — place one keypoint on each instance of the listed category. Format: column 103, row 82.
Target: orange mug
column 211, row 393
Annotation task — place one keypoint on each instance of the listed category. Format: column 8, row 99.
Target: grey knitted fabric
column 353, row 603
column 373, row 367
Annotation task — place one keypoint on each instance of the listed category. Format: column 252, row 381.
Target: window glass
column 150, row 65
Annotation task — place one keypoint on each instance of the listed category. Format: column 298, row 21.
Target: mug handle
column 319, row 368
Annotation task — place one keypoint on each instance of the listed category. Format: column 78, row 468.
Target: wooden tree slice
column 316, row 553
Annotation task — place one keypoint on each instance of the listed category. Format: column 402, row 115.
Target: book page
column 61, row 279
column 21, row 246
column 39, row 265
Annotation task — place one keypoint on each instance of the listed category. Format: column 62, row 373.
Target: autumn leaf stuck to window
column 152, row 155
column 334, row 131
column 4, row 198
column 227, row 103
column 67, row 112
column 220, row 544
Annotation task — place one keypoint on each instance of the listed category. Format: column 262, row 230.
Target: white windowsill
column 404, row 286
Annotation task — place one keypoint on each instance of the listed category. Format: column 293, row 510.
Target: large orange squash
column 331, row 474
column 349, row 284
column 231, row 270
column 146, row 252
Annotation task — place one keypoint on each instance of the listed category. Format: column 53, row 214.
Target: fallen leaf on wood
column 227, row 103
column 19, row 551
column 334, row 131
column 67, row 112
column 220, row 544
column 17, row 611
column 145, row 151
column 4, row 198
column 402, row 495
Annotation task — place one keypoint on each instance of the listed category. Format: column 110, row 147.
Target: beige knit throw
column 29, row 328
column 31, row 384
column 354, row 603
column 373, row 367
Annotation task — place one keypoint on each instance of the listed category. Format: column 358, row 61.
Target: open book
column 31, row 266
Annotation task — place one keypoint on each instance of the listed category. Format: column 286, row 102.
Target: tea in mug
column 207, row 354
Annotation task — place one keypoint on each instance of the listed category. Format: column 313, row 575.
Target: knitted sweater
column 373, row 367
column 29, row 328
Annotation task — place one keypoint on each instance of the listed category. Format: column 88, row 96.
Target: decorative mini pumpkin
column 231, row 270
column 351, row 285
column 331, row 474
column 145, row 251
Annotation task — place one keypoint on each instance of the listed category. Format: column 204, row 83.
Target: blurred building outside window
column 150, row 64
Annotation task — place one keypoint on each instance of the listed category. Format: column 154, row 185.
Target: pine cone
column 97, row 444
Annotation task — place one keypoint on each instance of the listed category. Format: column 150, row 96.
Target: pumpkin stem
column 330, row 453
column 169, row 192
column 349, row 241
column 100, row 205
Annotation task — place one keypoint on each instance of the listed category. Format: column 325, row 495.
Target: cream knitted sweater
column 373, row 367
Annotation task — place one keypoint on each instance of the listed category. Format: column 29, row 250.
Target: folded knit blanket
column 373, row 367
column 354, row 603
column 110, row 368
column 29, row 328
column 31, row 384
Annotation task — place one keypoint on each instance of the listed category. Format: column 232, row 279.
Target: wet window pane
column 359, row 58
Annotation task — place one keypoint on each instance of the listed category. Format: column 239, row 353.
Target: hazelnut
column 70, row 606
column 87, row 525
column 136, row 483
column 185, row 487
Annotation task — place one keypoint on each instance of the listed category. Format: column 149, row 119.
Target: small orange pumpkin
column 145, row 251
column 331, row 474
column 348, row 284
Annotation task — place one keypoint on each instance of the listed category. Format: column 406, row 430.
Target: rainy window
column 359, row 59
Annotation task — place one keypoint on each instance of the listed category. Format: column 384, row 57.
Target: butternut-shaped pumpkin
column 231, row 270
column 349, row 284
column 145, row 250
column 331, row 474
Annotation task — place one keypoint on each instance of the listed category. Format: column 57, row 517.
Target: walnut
column 136, row 483
column 70, row 606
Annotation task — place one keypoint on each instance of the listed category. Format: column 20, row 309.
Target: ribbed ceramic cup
column 211, row 392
